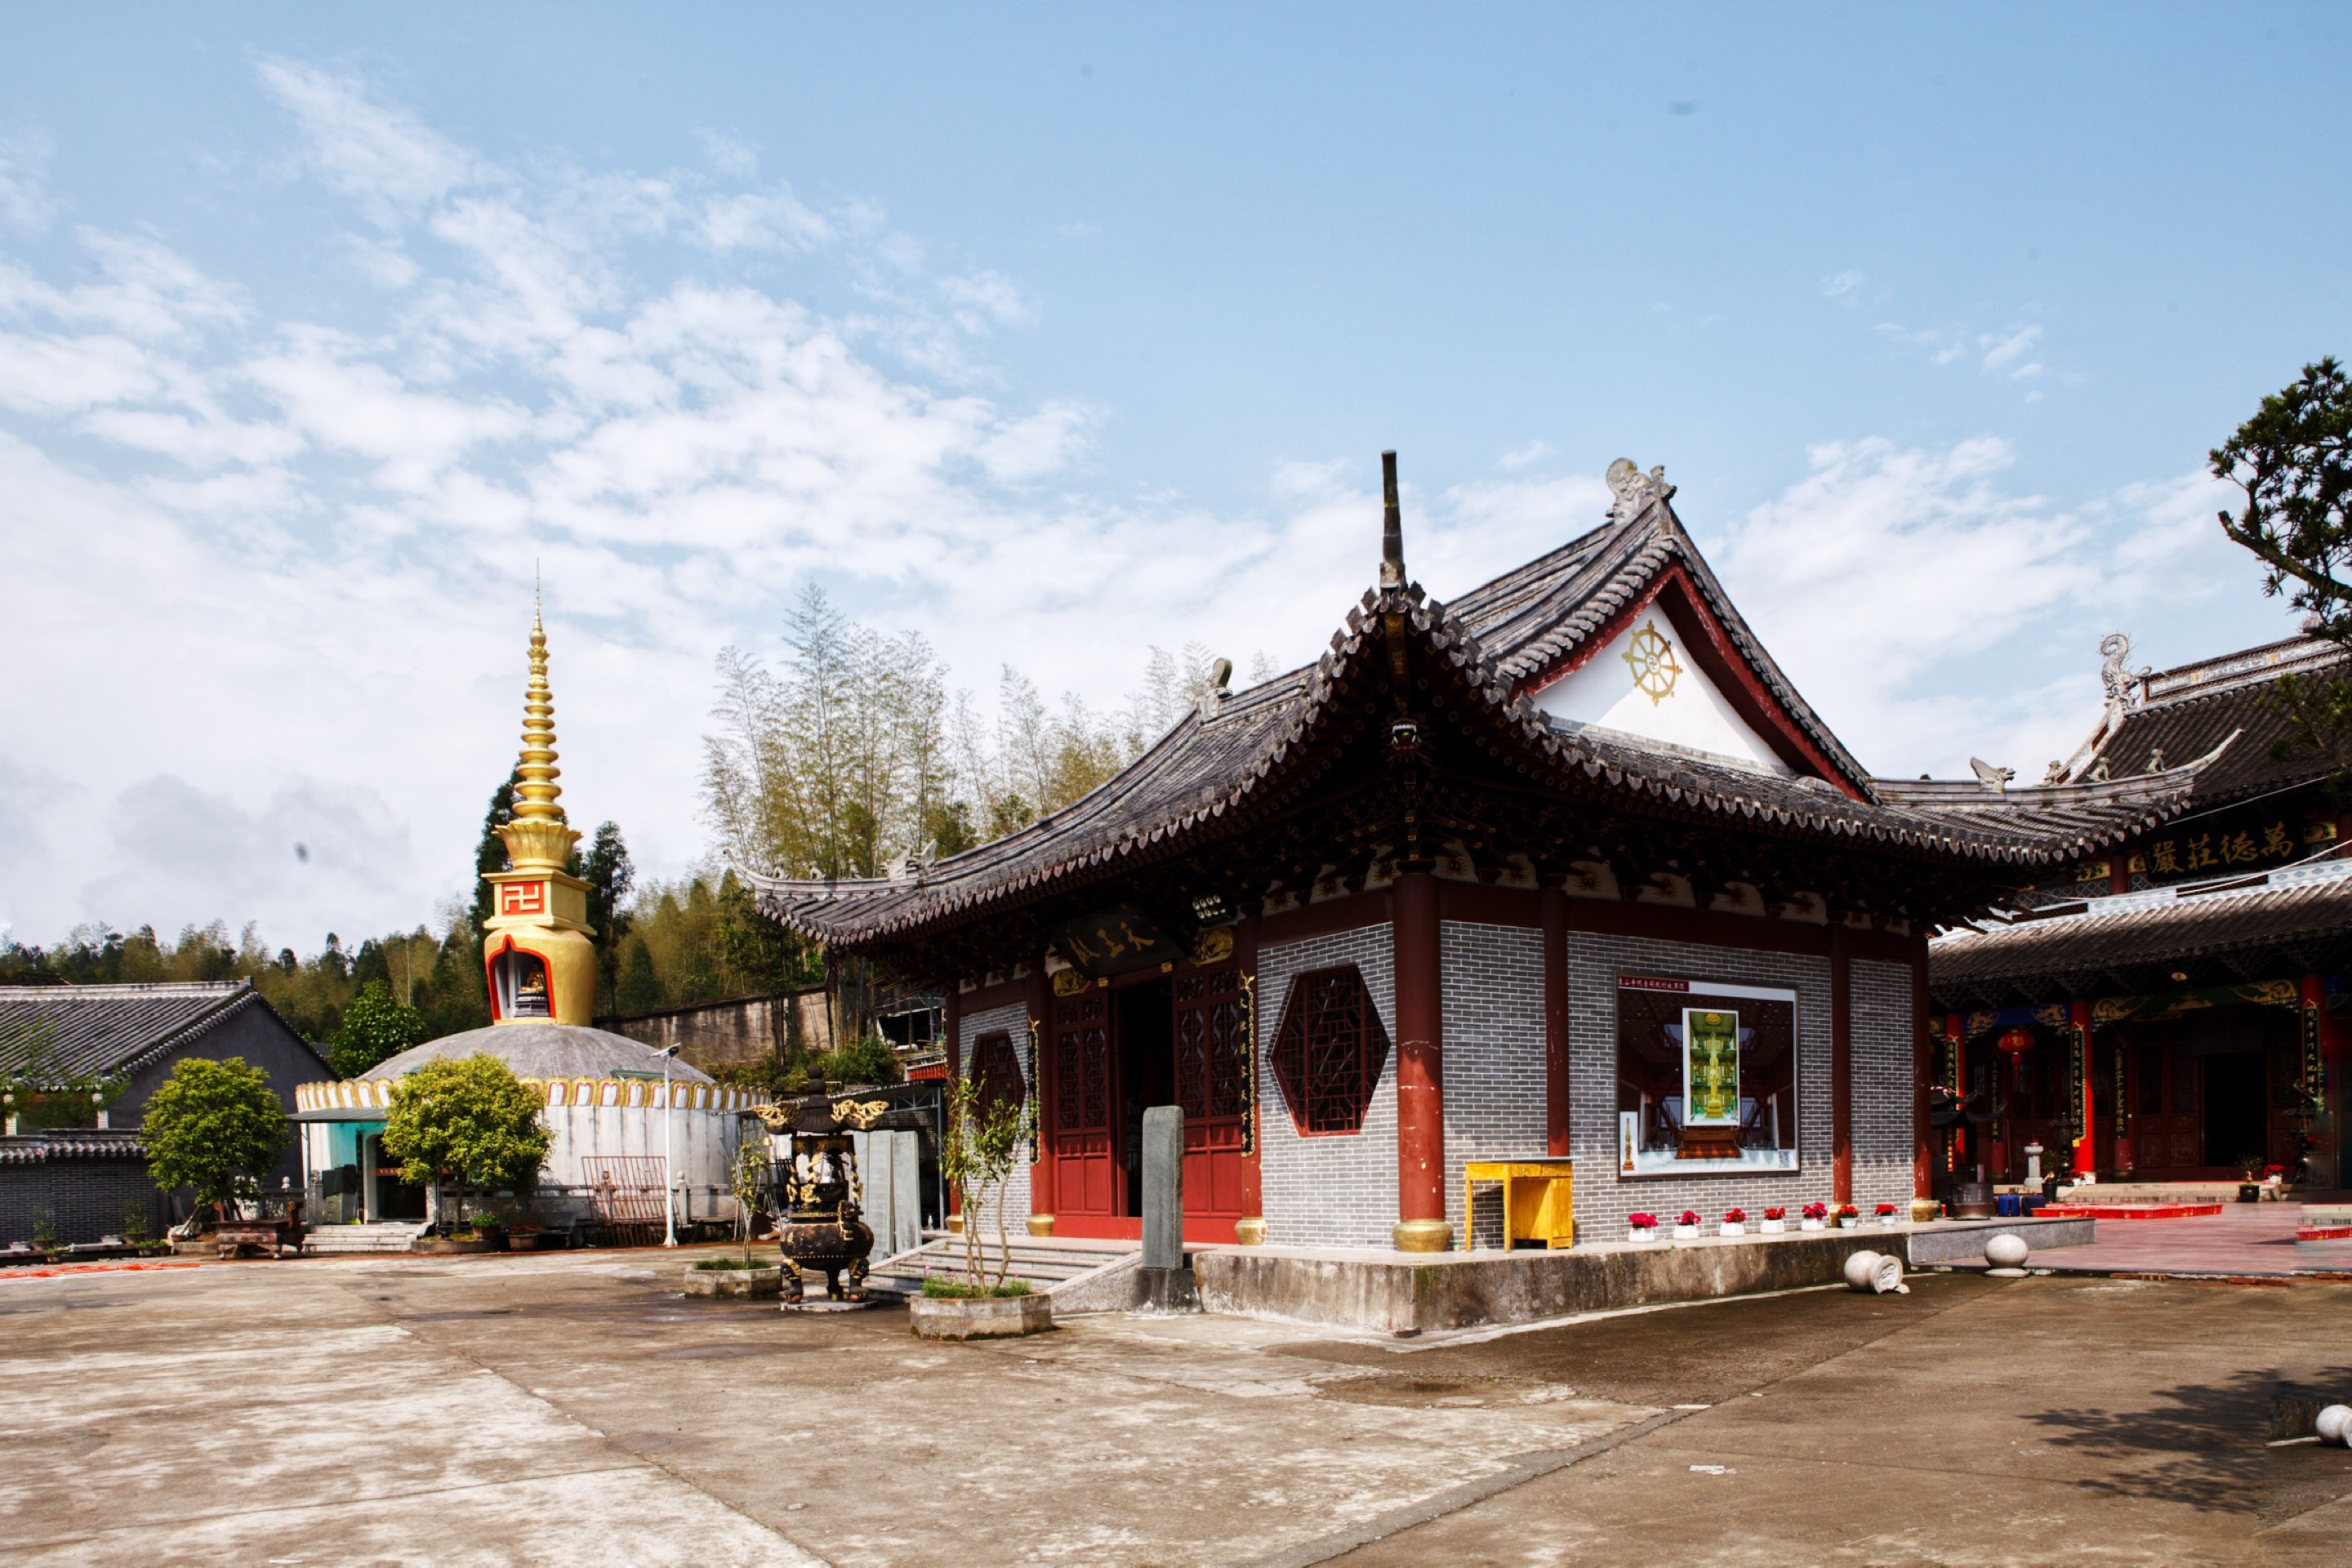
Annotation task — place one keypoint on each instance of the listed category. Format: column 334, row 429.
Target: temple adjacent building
column 2168, row 1009
column 617, row 1110
column 1567, row 867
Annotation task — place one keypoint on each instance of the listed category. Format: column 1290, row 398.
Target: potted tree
column 983, row 1137
column 213, row 1127
column 475, row 1124
column 725, row 1276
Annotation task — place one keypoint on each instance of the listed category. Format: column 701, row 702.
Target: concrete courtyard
column 572, row 1409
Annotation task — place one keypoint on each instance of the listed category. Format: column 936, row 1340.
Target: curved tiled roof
column 1216, row 767
column 79, row 1030
column 2158, row 929
column 2190, row 711
column 1532, row 618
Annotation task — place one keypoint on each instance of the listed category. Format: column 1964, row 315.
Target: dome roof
column 542, row 1051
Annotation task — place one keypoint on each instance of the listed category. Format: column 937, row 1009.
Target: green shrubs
column 735, row 1263
column 964, row 1290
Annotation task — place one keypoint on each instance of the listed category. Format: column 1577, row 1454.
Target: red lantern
column 2015, row 1042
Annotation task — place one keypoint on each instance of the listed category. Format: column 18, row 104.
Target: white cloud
column 1840, row 284
column 2007, row 353
column 296, row 553
column 25, row 201
column 988, row 299
column 1929, row 613
column 730, row 155
column 386, row 158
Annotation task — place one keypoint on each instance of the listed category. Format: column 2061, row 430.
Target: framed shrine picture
column 1706, row 1077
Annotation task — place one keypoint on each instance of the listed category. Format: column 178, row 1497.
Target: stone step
column 1042, row 1265
column 332, row 1240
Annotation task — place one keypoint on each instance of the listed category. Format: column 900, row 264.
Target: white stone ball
column 1859, row 1268
column 2006, row 1250
column 2333, row 1426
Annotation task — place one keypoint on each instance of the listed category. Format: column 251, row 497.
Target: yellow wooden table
column 1539, row 1199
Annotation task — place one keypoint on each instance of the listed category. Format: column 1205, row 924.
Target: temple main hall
column 1566, row 867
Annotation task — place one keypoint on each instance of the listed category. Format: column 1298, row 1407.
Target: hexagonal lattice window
column 997, row 1069
column 1330, row 1051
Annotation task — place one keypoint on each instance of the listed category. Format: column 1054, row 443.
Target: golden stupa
column 535, row 947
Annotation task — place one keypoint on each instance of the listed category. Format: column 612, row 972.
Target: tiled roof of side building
column 2155, row 929
column 1208, row 767
column 79, row 1030
column 2189, row 711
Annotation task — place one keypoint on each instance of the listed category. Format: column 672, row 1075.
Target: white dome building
column 628, row 1121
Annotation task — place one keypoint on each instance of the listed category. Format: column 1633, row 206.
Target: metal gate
column 631, row 1195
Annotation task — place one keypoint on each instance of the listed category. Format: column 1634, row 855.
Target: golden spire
column 538, row 835
column 535, row 796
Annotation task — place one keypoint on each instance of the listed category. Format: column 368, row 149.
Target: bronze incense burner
column 819, row 1192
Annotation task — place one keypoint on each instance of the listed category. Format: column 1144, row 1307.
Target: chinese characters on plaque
column 1116, row 941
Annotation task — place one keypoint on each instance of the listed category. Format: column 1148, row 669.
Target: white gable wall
column 1694, row 714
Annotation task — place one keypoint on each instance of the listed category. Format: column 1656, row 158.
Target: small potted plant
column 2249, row 1189
column 1886, row 1215
column 1776, row 1222
column 1849, row 1218
column 1735, row 1222
column 1816, row 1217
column 1686, row 1225
column 1641, row 1227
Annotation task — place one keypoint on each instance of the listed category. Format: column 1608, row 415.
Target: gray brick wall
column 1884, row 1133
column 1013, row 1196
column 84, row 1198
column 1494, row 1057
column 1330, row 1191
column 1602, row 1198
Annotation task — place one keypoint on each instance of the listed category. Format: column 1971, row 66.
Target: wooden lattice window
column 1330, row 1051
column 996, row 1072
column 1082, row 1064
column 1211, row 1055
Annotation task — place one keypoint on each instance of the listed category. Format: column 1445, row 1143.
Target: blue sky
column 1060, row 332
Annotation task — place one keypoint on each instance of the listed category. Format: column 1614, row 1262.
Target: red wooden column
column 1922, row 1075
column 1036, row 1049
column 1840, row 1065
column 951, row 1020
column 2086, row 1153
column 1554, row 906
column 1420, row 1075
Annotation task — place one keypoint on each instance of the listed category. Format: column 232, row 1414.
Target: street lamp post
column 669, row 1177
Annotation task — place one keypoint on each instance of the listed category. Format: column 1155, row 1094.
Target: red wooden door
column 1085, row 1158
column 1212, row 1089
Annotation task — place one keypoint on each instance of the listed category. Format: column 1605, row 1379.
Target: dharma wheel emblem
column 1651, row 657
